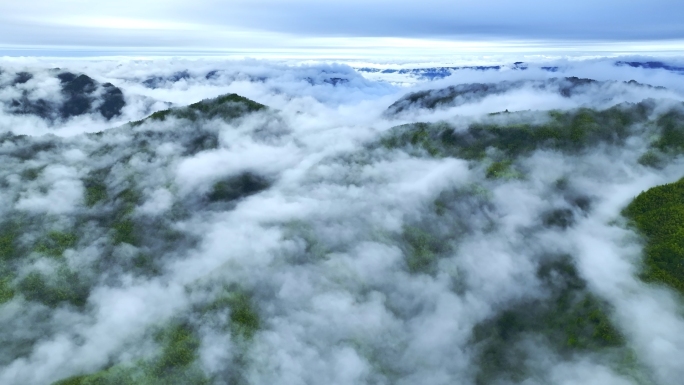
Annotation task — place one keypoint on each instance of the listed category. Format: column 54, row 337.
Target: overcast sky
column 273, row 25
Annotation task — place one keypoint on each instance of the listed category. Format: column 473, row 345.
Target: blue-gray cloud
column 264, row 24
column 530, row 19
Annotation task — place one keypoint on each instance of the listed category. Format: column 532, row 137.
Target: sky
column 338, row 28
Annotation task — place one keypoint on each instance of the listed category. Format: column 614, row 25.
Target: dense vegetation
column 467, row 93
column 174, row 364
column 226, row 107
column 178, row 344
column 128, row 244
column 570, row 319
column 569, row 132
column 658, row 214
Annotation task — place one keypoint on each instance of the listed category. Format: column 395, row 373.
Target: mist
column 283, row 222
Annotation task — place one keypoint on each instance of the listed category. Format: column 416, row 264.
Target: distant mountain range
column 334, row 78
column 433, row 73
column 341, row 77
column 473, row 92
column 651, row 65
column 76, row 95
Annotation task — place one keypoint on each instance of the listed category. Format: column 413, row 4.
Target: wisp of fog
column 178, row 221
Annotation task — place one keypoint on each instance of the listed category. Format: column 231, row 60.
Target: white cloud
column 64, row 192
column 322, row 251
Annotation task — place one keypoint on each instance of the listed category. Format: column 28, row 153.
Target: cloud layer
column 305, row 235
column 297, row 25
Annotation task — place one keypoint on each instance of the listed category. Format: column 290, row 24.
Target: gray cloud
column 528, row 19
column 206, row 25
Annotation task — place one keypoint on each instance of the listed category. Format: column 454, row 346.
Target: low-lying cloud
column 308, row 239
